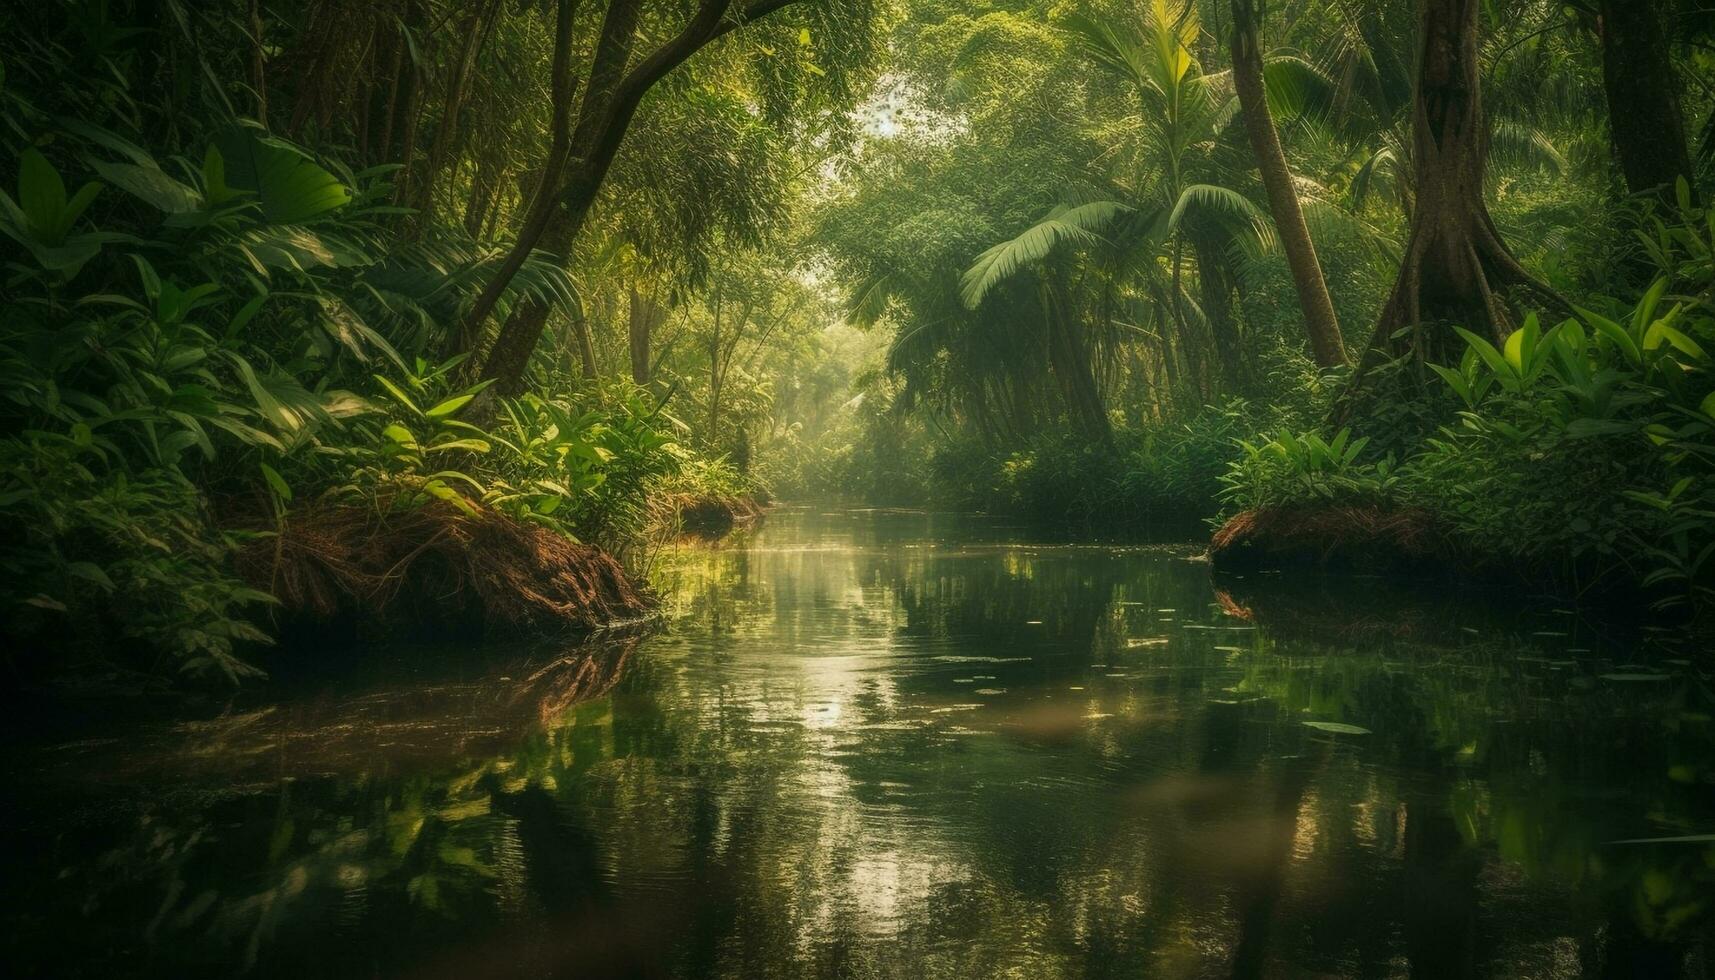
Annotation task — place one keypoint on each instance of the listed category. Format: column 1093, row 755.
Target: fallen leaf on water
column 1337, row 728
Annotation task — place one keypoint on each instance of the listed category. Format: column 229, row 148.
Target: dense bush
column 1165, row 476
column 1587, row 449
column 234, row 329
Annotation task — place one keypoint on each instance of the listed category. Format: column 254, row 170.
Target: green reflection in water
column 895, row 745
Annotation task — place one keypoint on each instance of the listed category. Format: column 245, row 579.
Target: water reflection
column 881, row 745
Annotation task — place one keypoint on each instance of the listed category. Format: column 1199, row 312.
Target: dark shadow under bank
column 1414, row 550
column 446, row 575
column 350, row 581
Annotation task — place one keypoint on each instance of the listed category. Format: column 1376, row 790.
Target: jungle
column 857, row 488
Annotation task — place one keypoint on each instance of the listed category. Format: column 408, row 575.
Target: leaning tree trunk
column 578, row 163
column 1320, row 320
column 1643, row 100
column 1455, row 263
column 610, row 104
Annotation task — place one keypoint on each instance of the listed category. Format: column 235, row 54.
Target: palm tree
column 1137, row 230
column 1319, row 317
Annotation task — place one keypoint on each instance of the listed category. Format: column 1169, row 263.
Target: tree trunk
column 586, row 345
column 407, row 124
column 1188, row 342
column 610, row 104
column 646, row 315
column 382, row 149
column 452, row 106
column 482, row 188
column 1069, row 359
column 558, row 211
column 312, row 67
column 713, row 433
column 1643, row 99
column 1320, row 321
column 1215, row 282
column 715, row 372
column 510, row 354
column 1455, row 262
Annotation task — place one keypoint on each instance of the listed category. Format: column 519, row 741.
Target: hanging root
column 436, row 564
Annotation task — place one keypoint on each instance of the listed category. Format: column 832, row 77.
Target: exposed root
column 437, row 564
column 1346, row 537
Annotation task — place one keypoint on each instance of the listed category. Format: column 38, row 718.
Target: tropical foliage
column 550, row 260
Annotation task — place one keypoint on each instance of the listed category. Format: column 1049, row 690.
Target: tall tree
column 1643, row 99
column 1319, row 317
column 575, row 177
column 646, row 315
column 1455, row 261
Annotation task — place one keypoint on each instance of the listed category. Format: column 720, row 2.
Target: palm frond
column 1515, row 144
column 1384, row 162
column 1222, row 205
column 1001, row 262
column 870, row 301
column 1296, row 87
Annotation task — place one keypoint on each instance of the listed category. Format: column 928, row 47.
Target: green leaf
column 1496, row 361
column 290, row 186
column 1685, row 839
column 1616, row 334
column 1521, row 344
column 90, row 572
column 271, row 408
column 74, row 209
column 469, row 445
column 41, row 193
column 441, row 491
column 151, row 186
column 449, row 406
column 399, row 395
column 276, row 482
column 1644, row 312
column 400, row 435
column 214, row 177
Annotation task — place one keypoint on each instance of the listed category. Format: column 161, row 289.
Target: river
column 875, row 744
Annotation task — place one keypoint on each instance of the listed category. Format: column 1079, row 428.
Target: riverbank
column 466, row 569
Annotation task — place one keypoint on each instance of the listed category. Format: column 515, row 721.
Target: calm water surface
column 892, row 745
